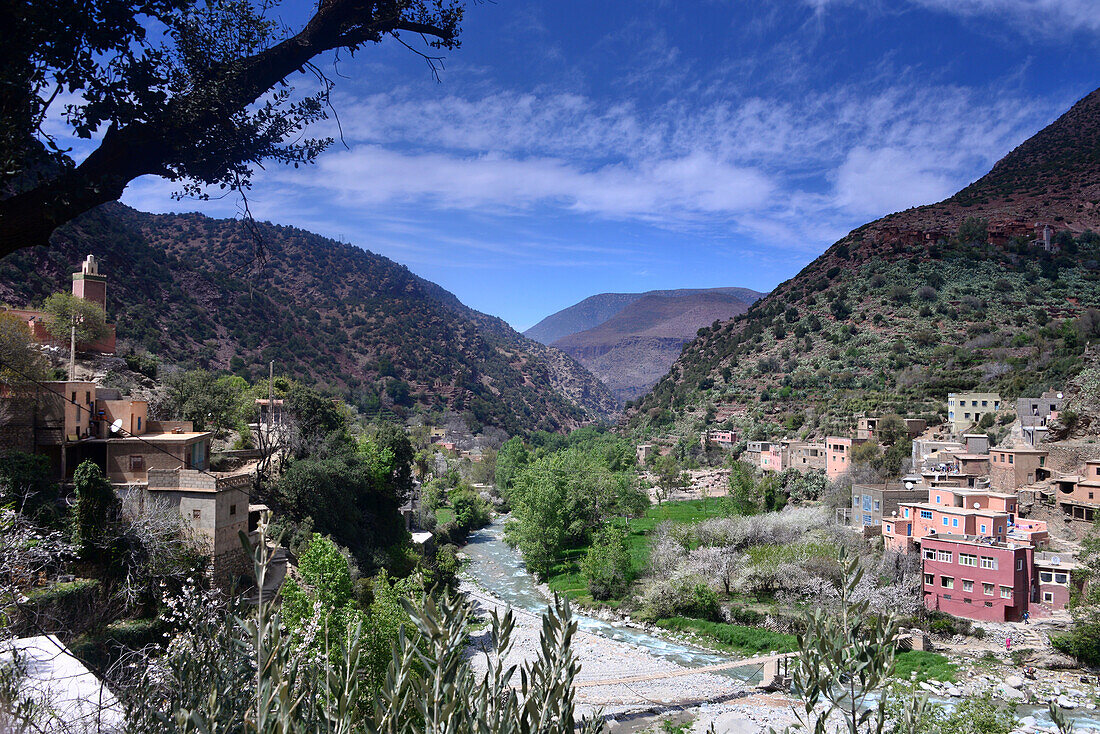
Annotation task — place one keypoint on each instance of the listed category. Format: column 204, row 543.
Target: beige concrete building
column 964, row 409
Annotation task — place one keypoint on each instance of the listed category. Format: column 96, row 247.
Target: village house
column 966, row 409
column 977, row 577
column 1035, row 415
column 1054, row 579
column 643, row 452
column 1010, row 469
column 1078, row 496
column 950, row 510
column 928, row 452
column 838, row 455
column 872, row 503
column 764, row 455
column 802, row 456
column 866, row 428
column 722, row 439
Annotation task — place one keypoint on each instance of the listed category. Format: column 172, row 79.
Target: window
column 929, row 579
column 139, row 422
column 74, row 397
column 930, row 555
column 232, row 509
column 946, row 596
column 987, row 589
column 1010, row 458
column 937, row 499
column 947, row 582
column 968, row 585
column 868, row 520
column 866, row 503
column 968, row 559
column 926, row 514
column 954, row 522
column 1046, row 577
column 983, row 529
column 196, row 514
column 1006, row 592
column 1019, row 564
column 989, row 563
column 1048, row 597
column 945, row 522
column 968, row 601
column 137, row 462
column 989, row 603
column 877, row 505
column 889, row 528
column 966, row 415
column 944, row 556
column 1060, row 578
column 907, row 509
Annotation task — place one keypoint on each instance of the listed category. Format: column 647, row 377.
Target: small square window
column 196, row 514
column 137, row 462
column 989, row 603
column 232, row 509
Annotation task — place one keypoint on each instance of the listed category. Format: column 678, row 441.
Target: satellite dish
column 1055, row 560
column 977, row 506
column 116, row 426
column 908, row 485
column 1059, row 396
column 894, row 513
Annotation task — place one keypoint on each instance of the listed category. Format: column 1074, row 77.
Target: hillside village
column 260, row 480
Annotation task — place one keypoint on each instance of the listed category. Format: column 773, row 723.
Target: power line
column 78, row 406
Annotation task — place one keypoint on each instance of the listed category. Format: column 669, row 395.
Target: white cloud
column 1048, row 17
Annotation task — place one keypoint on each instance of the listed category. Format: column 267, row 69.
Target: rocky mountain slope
column 187, row 289
column 629, row 340
column 994, row 287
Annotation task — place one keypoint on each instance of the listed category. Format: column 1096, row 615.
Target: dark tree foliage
column 196, row 92
column 96, row 508
column 25, row 483
column 347, row 499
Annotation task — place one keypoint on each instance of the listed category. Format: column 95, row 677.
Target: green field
column 736, row 638
column 444, row 514
column 928, row 665
column 567, row 579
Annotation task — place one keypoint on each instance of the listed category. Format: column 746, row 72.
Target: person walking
column 1027, row 616
column 1008, row 643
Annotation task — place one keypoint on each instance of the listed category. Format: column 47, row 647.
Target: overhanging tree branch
column 202, row 129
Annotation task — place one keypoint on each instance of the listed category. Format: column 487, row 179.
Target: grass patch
column 444, row 514
column 927, row 665
column 566, row 578
column 733, row 637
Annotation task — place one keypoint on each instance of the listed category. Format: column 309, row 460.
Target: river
column 499, row 569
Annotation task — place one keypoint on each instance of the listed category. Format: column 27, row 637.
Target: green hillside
column 188, row 289
column 944, row 297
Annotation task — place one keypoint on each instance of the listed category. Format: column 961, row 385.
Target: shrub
column 606, row 566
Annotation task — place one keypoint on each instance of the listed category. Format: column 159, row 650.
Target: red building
column 977, row 578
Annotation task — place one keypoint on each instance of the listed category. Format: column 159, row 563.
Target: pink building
column 838, row 455
column 771, row 459
column 954, row 510
column 1054, row 581
column 977, row 578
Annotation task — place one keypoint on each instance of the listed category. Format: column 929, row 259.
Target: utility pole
column 271, row 392
column 72, row 353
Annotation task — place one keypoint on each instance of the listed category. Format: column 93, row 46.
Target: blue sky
column 574, row 148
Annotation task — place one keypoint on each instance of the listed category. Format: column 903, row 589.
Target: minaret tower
column 89, row 284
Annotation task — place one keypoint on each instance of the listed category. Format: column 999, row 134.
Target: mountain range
column 629, row 340
column 996, row 287
column 225, row 295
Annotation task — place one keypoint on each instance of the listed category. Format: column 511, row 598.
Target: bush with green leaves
column 606, row 565
column 96, row 508
column 230, row 668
